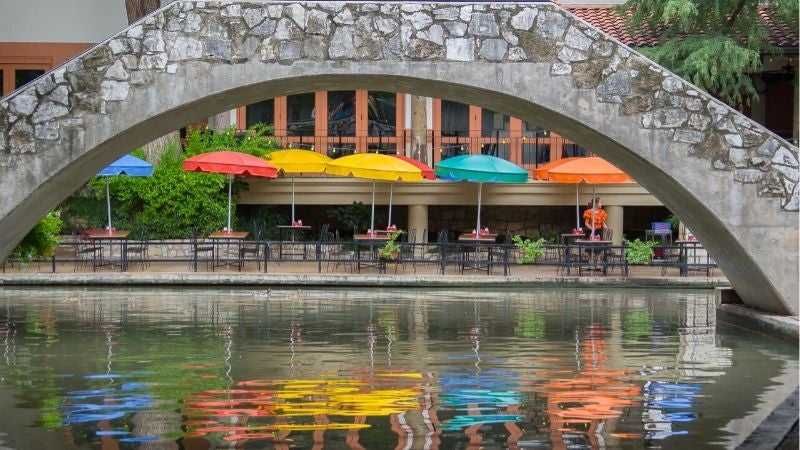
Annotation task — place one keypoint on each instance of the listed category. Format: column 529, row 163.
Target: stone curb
column 427, row 281
column 784, row 327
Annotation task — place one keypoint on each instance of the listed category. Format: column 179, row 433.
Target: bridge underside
column 680, row 144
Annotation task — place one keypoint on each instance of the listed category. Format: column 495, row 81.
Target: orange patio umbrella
column 592, row 170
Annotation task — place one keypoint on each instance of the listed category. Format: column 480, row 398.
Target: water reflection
column 365, row 369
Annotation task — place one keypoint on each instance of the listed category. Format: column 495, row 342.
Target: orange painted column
column 474, row 129
column 362, row 124
column 400, row 122
column 280, row 116
column 515, row 140
column 321, row 121
column 241, row 118
column 437, row 130
column 556, row 146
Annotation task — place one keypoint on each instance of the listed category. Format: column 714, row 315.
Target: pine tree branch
column 735, row 14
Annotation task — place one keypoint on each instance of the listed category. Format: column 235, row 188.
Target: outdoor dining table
column 595, row 247
column 688, row 246
column 100, row 236
column 292, row 230
column 226, row 239
column 471, row 244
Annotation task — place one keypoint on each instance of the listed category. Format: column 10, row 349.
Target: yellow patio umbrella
column 294, row 162
column 375, row 167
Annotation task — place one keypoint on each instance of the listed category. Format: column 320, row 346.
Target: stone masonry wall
column 56, row 109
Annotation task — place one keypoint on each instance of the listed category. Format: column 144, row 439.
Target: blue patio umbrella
column 127, row 165
column 480, row 169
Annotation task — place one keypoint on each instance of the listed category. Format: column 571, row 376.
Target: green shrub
column 42, row 240
column 640, row 252
column 531, row 250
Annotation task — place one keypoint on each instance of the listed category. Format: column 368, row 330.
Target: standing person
column 595, row 217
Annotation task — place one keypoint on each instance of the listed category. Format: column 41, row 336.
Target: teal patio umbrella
column 127, row 165
column 480, row 169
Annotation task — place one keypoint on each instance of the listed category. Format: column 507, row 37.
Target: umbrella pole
column 372, row 216
column 292, row 200
column 391, row 194
column 594, row 205
column 108, row 205
column 230, row 188
column 577, row 206
column 478, row 222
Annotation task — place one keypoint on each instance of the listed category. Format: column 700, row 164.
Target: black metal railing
column 347, row 256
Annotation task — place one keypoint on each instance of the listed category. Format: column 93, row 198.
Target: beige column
column 615, row 220
column 419, row 129
column 418, row 220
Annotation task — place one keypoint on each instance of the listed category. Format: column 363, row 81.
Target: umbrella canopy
column 592, row 170
column 427, row 171
column 127, row 165
column 297, row 161
column 230, row 163
column 542, row 172
column 480, row 169
column 375, row 167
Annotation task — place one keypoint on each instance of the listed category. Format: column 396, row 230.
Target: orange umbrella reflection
column 583, row 405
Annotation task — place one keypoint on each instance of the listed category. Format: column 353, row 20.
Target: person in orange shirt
column 600, row 216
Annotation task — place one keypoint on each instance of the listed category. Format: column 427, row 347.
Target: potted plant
column 531, row 250
column 640, row 252
column 391, row 250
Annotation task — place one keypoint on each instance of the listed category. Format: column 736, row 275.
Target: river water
column 380, row 369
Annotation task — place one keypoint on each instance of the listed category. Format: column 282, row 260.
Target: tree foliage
column 172, row 203
column 715, row 44
column 42, row 239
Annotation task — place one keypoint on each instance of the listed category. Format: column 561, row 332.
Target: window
column 300, row 115
column 382, row 112
column 261, row 112
column 535, row 145
column 495, row 125
column 25, row 76
column 341, row 113
column 572, row 149
column 455, row 119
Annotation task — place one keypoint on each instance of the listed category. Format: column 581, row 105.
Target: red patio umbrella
column 231, row 164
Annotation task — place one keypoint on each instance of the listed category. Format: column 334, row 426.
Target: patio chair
column 87, row 254
column 252, row 249
column 200, row 247
column 661, row 231
column 615, row 259
column 139, row 250
column 340, row 255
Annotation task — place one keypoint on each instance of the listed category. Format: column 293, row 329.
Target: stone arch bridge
column 732, row 181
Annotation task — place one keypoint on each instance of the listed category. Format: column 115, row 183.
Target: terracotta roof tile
column 607, row 19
